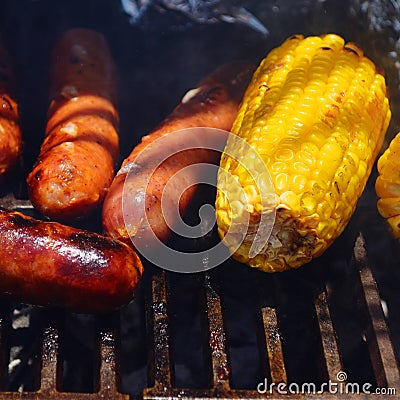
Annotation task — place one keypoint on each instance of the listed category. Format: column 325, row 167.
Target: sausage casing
column 10, row 131
column 47, row 263
column 77, row 158
column 212, row 104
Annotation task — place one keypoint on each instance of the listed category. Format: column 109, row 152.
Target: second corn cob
column 316, row 113
column 387, row 185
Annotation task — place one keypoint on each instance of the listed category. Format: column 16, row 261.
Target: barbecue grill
column 231, row 332
column 218, row 357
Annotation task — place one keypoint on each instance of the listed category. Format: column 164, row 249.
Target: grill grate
column 161, row 382
column 376, row 335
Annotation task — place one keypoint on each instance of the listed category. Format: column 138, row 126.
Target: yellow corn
column 387, row 185
column 316, row 112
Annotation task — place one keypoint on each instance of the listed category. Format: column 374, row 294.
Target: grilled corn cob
column 316, row 112
column 387, row 185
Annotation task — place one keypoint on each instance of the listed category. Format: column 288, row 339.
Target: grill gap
column 185, row 308
column 4, row 314
column 240, row 310
column 79, row 348
column 133, row 345
column 298, row 325
column 22, row 348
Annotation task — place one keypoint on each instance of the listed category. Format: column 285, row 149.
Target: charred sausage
column 10, row 131
column 213, row 104
column 77, row 158
column 47, row 263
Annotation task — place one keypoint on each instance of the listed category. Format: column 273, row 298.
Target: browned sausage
column 214, row 104
column 47, row 263
column 77, row 158
column 10, row 131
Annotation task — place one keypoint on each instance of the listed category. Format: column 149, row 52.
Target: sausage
column 79, row 153
column 47, row 263
column 214, row 104
column 10, row 130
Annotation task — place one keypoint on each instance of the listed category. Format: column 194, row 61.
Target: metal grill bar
column 217, row 338
column 379, row 344
column 160, row 361
column 11, row 203
column 274, row 345
column 109, row 368
column 49, row 374
column 330, row 348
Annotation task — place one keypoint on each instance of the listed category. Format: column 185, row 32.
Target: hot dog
column 214, row 104
column 10, row 131
column 47, row 263
column 77, row 158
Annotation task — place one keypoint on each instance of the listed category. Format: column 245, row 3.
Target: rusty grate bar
column 271, row 350
column 330, row 349
column 377, row 335
column 274, row 345
column 330, row 352
column 109, row 369
column 10, row 202
column 160, row 366
column 217, row 337
column 50, row 373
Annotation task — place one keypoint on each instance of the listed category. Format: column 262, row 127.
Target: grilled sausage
column 47, row 263
column 77, row 158
column 214, row 104
column 10, row 131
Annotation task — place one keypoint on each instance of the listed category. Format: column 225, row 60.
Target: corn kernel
column 308, row 203
column 298, row 183
column 387, row 185
column 281, row 182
